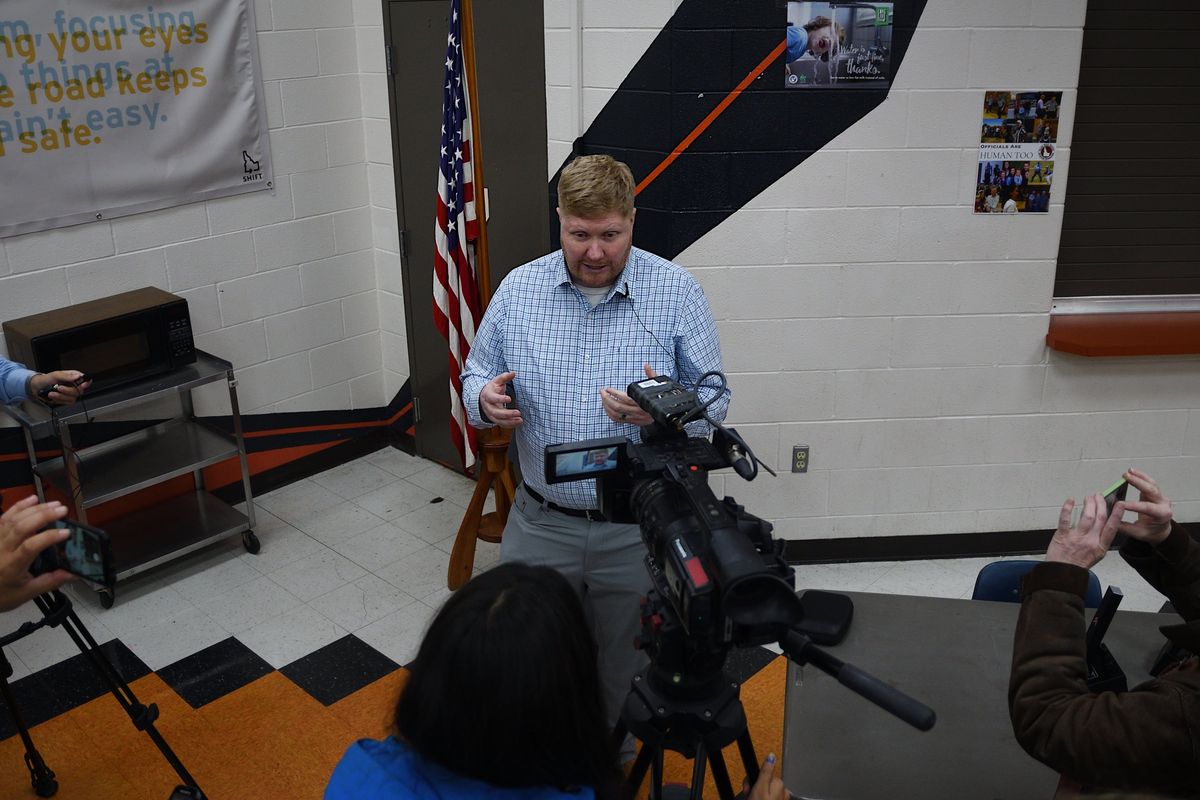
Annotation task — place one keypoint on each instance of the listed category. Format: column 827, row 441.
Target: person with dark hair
column 503, row 701
column 1144, row 739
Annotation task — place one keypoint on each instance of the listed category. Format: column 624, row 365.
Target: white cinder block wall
column 288, row 285
column 867, row 312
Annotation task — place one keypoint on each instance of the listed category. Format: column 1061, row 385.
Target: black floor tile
column 339, row 669
column 214, row 672
column 742, row 664
column 68, row 684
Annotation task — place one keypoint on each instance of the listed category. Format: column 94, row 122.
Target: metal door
column 512, row 109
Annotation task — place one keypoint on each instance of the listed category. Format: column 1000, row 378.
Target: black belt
column 592, row 514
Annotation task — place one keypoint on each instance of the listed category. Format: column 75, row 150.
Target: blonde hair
column 593, row 186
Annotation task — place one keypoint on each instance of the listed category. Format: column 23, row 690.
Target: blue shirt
column 564, row 352
column 390, row 770
column 13, row 378
column 797, row 43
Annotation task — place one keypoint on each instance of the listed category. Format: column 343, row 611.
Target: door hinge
column 404, row 246
column 387, row 57
column 416, row 410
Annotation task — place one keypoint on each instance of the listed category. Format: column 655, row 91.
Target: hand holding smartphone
column 86, row 552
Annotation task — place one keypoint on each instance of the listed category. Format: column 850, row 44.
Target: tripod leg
column 698, row 772
column 637, row 773
column 656, row 778
column 143, row 717
column 749, row 759
column 41, row 777
column 721, row 776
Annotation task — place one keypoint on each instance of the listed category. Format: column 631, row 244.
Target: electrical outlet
column 800, row 458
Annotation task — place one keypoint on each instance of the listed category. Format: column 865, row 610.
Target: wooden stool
column 494, row 472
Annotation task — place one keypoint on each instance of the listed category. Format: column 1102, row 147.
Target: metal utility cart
column 93, row 474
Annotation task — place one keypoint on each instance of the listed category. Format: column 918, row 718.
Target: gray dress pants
column 604, row 562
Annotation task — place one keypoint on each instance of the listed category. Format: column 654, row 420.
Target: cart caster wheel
column 106, row 600
column 250, row 540
column 46, row 787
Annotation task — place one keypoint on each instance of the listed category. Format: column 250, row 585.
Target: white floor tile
column 339, row 523
column 923, row 578
column 175, row 638
column 19, row 670
column 354, row 478
column 360, row 603
column 419, row 574
column 281, row 543
column 433, row 523
column 395, row 500
column 298, row 501
column 318, row 574
column 487, row 554
column 840, row 577
column 250, row 604
column 208, row 573
column 444, row 482
column 144, row 607
column 397, row 462
column 383, row 544
column 398, row 635
column 48, row 646
column 281, row 640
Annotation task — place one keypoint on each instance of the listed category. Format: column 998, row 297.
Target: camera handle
column 799, row 648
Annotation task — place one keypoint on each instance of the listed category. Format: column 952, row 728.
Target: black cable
column 702, row 410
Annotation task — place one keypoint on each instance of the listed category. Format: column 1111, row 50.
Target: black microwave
column 115, row 340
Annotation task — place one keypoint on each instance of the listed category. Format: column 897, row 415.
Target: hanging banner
column 1017, row 138
column 110, row 108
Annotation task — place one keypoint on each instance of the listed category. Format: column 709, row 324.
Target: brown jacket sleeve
column 1173, row 568
column 1147, row 738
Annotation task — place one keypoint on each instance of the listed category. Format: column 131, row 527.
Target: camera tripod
column 699, row 728
column 57, row 610
column 701, row 725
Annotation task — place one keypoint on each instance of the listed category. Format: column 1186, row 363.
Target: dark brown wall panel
column 1132, row 204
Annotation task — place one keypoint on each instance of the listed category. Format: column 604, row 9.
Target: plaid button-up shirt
column 564, row 351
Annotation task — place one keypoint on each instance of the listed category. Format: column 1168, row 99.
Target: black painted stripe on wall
column 703, row 52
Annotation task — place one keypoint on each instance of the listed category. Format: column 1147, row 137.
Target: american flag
column 456, row 310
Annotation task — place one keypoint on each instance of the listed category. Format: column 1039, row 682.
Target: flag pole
column 494, row 473
column 483, row 273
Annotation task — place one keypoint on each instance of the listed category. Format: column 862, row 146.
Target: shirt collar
column 625, row 284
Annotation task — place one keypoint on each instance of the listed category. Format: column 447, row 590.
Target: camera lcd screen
column 586, row 462
column 84, row 553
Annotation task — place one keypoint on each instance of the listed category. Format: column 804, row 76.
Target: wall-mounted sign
column 109, row 108
column 1017, row 140
column 832, row 45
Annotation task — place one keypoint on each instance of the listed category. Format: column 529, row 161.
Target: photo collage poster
column 838, row 45
column 1017, row 140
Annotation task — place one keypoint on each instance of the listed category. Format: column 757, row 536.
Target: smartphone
column 87, row 552
column 1114, row 493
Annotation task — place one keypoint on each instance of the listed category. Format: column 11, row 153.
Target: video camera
column 722, row 575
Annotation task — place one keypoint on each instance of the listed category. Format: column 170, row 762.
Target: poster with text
column 832, row 45
column 110, row 108
column 1017, row 139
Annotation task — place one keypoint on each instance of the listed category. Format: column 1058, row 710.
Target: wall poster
column 1017, row 139
column 110, row 108
column 838, row 45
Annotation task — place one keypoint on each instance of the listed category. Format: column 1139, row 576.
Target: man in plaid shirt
column 569, row 331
